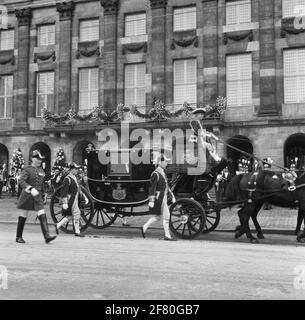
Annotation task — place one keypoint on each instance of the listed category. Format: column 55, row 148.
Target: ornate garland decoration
column 157, row 113
column 88, row 49
column 44, row 56
column 185, row 42
column 134, row 47
column 7, row 57
column 238, row 36
column 288, row 26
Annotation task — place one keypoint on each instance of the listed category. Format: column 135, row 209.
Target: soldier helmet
column 36, row 154
column 74, row 165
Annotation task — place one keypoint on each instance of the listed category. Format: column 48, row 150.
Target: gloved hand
column 151, row 204
column 34, row 192
column 45, row 199
column 65, row 206
column 173, row 199
column 86, row 200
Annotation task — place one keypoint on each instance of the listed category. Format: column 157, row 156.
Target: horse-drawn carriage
column 120, row 190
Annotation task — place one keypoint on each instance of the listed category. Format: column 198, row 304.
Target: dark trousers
column 1, row 186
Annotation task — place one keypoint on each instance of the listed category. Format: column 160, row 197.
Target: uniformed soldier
column 70, row 193
column 158, row 197
column 32, row 197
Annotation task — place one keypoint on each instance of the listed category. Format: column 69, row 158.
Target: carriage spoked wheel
column 212, row 217
column 86, row 212
column 187, row 218
column 103, row 216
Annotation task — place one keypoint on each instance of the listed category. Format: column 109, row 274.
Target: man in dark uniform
column 204, row 138
column 158, row 194
column 70, row 193
column 32, row 197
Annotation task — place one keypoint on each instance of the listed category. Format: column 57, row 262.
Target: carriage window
column 239, row 80
column 118, row 165
column 294, row 75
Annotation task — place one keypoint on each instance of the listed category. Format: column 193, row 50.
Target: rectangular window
column 6, row 96
column 44, row 92
column 88, row 89
column 135, row 24
column 239, row 80
column 289, row 7
column 46, row 35
column 134, row 82
column 89, row 30
column 238, row 12
column 185, row 18
column 185, row 81
column 7, row 39
column 294, row 75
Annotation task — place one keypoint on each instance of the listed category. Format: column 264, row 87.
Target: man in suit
column 158, row 195
column 70, row 193
column 32, row 197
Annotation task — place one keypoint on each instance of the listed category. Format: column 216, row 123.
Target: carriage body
column 121, row 188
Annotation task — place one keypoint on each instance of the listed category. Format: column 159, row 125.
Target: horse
column 269, row 186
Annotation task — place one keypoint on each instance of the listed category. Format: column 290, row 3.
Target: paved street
column 119, row 264
column 116, row 263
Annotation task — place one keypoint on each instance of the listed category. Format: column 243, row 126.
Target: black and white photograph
column 152, row 153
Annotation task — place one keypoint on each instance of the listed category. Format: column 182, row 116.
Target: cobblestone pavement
column 275, row 219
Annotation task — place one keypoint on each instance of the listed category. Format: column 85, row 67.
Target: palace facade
column 83, row 54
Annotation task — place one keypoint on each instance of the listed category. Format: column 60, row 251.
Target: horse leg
column 248, row 212
column 240, row 216
column 301, row 213
column 258, row 228
column 299, row 222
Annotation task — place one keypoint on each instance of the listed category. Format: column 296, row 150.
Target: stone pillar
column 210, row 50
column 20, row 112
column 267, row 59
column 158, row 54
column 110, row 53
column 65, row 10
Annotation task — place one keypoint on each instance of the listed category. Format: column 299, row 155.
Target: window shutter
column 185, row 18
column 7, row 40
column 294, row 75
column 134, row 81
column 135, row 24
column 239, row 79
column 46, row 35
column 238, row 12
column 288, row 7
column 88, row 89
column 89, row 30
column 185, row 81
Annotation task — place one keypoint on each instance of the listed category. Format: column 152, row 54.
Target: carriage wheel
column 212, row 217
column 187, row 219
column 103, row 216
column 85, row 217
